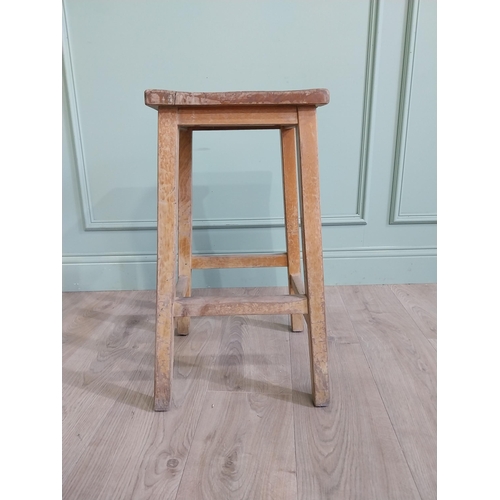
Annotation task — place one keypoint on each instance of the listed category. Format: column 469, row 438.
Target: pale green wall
column 377, row 137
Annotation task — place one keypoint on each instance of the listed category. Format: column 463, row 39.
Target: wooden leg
column 289, row 161
column 185, row 216
column 313, row 254
column 168, row 165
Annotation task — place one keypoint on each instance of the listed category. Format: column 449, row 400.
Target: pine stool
column 294, row 113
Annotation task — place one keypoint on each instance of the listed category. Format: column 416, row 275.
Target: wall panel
column 360, row 50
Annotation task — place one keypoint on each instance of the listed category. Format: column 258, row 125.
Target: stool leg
column 168, row 159
column 313, row 254
column 185, row 217
column 289, row 162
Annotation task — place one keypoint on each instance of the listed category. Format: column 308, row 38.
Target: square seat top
column 308, row 97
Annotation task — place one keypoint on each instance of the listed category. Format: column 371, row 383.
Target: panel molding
column 92, row 224
column 396, row 217
column 76, row 133
column 367, row 115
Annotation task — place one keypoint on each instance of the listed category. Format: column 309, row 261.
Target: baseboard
column 354, row 266
column 380, row 265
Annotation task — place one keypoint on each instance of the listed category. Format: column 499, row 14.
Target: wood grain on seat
column 313, row 97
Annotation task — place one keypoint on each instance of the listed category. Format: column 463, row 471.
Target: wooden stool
column 179, row 113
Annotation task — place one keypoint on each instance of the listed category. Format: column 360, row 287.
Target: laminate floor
column 242, row 425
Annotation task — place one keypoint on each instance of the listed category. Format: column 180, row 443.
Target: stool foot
column 297, row 321
column 164, row 355
column 183, row 326
column 319, row 365
column 161, row 405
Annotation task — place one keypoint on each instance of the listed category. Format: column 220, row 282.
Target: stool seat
column 314, row 97
column 293, row 112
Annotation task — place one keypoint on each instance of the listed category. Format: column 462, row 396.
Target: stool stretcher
column 235, row 306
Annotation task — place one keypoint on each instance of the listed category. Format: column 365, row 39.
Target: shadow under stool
column 294, row 114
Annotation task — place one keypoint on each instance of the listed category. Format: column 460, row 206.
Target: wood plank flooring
column 242, row 425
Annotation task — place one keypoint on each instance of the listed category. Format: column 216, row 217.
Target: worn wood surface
column 310, row 215
column 291, row 202
column 372, row 442
column 180, row 114
column 239, row 260
column 168, row 172
column 230, row 306
column 157, row 98
column 175, row 126
column 237, row 117
column 185, row 216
